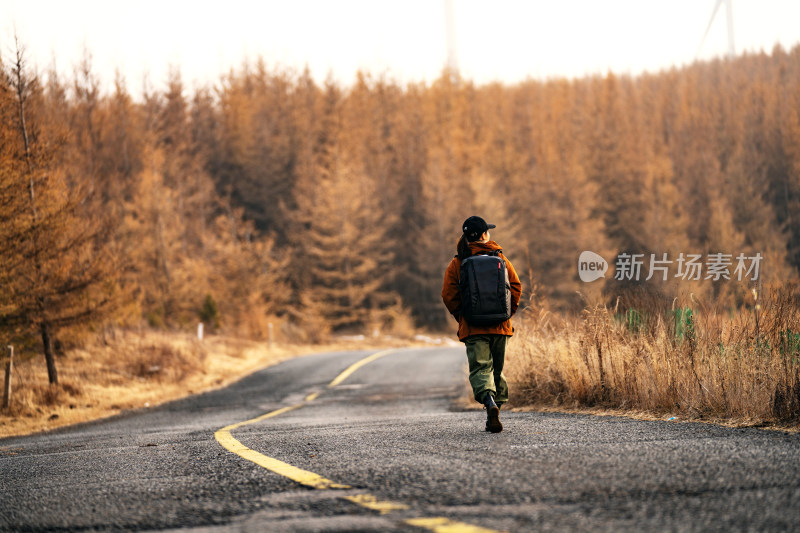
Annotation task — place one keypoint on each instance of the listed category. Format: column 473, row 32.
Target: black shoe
column 492, row 415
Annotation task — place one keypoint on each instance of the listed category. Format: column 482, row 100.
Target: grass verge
column 734, row 367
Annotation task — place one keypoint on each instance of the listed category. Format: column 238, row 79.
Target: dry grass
column 133, row 369
column 731, row 368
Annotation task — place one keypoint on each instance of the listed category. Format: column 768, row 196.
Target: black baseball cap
column 474, row 226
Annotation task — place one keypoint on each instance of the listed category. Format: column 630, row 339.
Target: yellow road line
column 276, row 412
column 445, row 525
column 311, row 397
column 310, row 479
column 355, row 366
column 304, row 477
column 371, row 502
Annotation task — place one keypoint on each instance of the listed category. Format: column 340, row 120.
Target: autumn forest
column 271, row 198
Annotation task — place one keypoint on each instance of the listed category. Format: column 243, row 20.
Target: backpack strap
column 493, row 253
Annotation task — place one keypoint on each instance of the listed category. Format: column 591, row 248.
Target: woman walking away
column 482, row 290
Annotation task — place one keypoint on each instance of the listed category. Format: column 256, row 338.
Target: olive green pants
column 486, row 355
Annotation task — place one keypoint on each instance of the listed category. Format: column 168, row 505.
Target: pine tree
column 340, row 233
column 556, row 200
column 58, row 271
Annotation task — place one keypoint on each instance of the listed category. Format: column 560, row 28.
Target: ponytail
column 463, row 247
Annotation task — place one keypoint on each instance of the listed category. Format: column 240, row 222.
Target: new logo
column 591, row 266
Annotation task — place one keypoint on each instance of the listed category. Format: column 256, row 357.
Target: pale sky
column 506, row 41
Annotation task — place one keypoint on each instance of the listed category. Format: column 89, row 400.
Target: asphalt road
column 390, row 434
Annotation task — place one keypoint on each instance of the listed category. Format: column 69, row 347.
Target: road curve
column 396, row 456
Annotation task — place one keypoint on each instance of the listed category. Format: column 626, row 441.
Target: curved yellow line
column 310, row 479
column 355, row 366
column 445, row 525
column 304, row 477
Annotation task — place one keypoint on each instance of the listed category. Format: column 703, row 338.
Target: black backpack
column 485, row 289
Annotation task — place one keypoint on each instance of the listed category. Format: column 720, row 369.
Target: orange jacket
column 451, row 294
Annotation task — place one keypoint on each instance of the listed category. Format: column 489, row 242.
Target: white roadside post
column 200, row 331
column 270, row 333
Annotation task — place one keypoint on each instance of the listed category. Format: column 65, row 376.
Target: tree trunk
column 52, row 374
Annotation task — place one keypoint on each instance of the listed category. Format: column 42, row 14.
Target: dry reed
column 738, row 365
